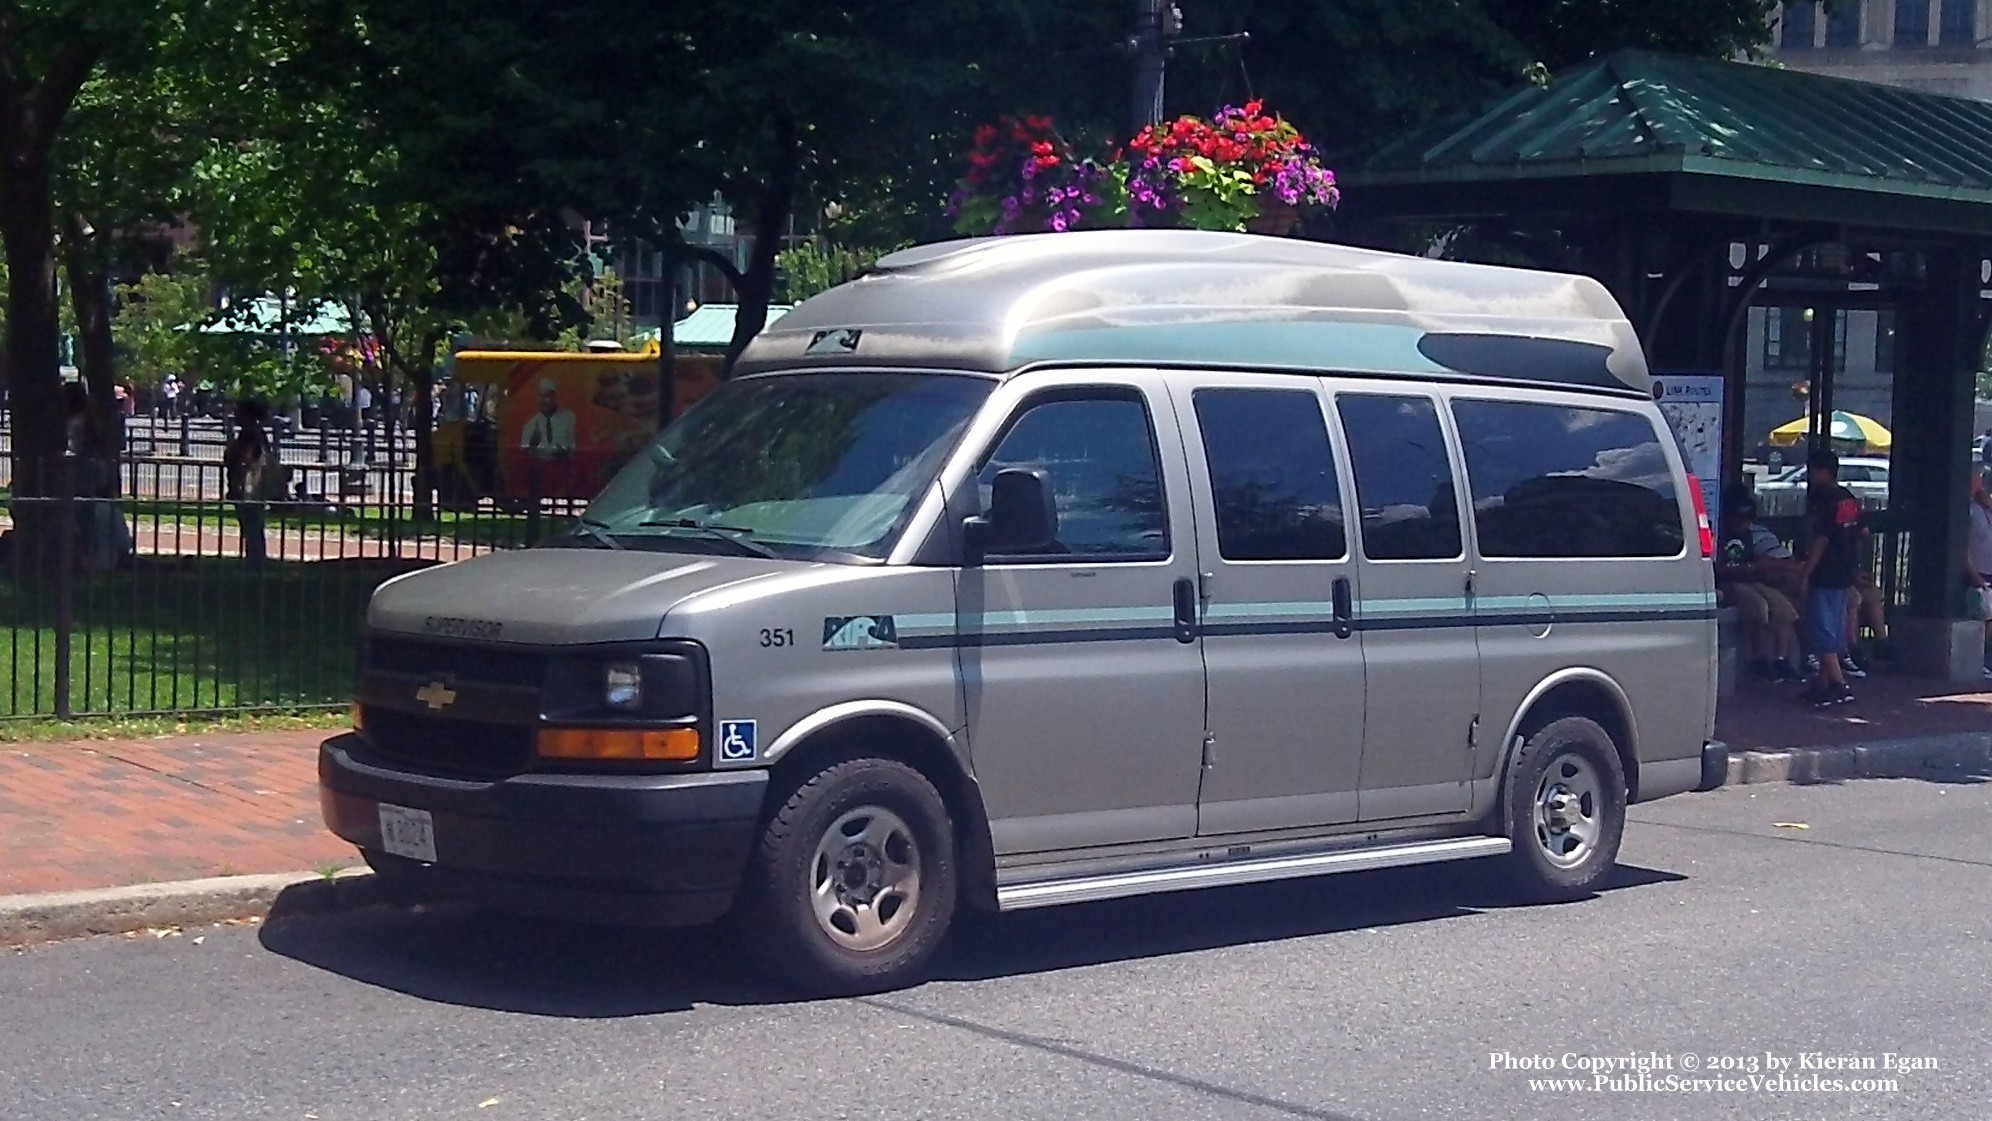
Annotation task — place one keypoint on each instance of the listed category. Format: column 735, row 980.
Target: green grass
column 126, row 727
column 189, row 635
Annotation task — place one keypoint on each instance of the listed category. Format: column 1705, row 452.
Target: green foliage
column 154, row 326
column 811, row 267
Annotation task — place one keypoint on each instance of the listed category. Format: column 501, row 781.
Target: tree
column 101, row 104
column 1351, row 73
column 155, row 328
column 48, row 50
column 810, row 268
column 776, row 107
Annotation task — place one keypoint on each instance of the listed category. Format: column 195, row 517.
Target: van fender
column 1491, row 787
column 825, row 718
column 953, row 775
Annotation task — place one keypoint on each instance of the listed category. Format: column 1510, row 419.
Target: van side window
column 1272, row 476
column 1559, row 481
column 1099, row 452
column 1404, row 476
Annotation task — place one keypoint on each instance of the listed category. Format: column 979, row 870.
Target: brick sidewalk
column 1763, row 716
column 106, row 813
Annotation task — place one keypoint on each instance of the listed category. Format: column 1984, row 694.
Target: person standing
column 244, row 462
column 1832, row 559
column 1978, row 554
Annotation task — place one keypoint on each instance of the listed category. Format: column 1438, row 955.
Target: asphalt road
column 1378, row 996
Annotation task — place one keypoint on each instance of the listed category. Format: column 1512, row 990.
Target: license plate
column 409, row 833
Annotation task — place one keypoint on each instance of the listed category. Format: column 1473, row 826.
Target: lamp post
column 1158, row 29
column 1156, row 22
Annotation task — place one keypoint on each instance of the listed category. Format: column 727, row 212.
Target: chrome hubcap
column 1568, row 804
column 864, row 883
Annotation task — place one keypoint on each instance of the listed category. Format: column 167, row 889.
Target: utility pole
column 1156, row 23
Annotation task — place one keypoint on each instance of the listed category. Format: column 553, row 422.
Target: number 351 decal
column 777, row 636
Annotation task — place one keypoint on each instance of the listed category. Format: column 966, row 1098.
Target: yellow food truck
column 520, row 424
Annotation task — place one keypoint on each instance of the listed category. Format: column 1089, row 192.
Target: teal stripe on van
column 1384, row 348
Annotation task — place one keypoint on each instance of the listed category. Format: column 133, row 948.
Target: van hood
column 556, row 596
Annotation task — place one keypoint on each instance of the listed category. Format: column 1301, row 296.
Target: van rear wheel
column 1566, row 810
column 852, row 886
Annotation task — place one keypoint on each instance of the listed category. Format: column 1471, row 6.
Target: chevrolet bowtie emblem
column 436, row 695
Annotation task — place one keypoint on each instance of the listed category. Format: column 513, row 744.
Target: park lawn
column 189, row 634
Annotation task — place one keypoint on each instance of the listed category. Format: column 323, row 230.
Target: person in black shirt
column 1831, row 561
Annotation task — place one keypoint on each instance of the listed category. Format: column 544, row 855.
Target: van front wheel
column 852, row 886
column 1566, row 810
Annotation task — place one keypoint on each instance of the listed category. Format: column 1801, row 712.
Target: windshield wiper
column 732, row 535
column 585, row 528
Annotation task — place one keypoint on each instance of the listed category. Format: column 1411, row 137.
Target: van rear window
column 1560, row 481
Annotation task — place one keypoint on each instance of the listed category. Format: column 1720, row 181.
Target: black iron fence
column 162, row 600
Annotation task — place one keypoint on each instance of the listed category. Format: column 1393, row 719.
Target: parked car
column 1783, row 495
column 1040, row 570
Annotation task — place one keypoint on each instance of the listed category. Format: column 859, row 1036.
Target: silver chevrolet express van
column 1057, row 568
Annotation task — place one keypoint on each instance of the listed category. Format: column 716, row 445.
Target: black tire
column 886, row 816
column 1568, row 770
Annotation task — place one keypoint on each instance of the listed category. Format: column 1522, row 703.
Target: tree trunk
column 34, row 355
column 31, row 113
column 422, row 421
column 756, row 286
column 87, row 256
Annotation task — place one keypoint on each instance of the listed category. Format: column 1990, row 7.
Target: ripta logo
column 842, row 340
column 860, row 632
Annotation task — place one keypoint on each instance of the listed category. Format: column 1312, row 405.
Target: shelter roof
column 710, row 326
column 1753, row 139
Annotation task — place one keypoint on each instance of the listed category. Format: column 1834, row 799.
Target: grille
column 493, row 665
column 460, row 748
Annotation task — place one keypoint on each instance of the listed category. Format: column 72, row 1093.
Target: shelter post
column 1933, row 395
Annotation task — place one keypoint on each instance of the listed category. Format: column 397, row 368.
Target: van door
column 1421, row 670
column 1082, row 673
column 1282, row 658
column 1586, row 561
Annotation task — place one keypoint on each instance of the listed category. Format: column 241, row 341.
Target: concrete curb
column 48, row 916
column 1898, row 758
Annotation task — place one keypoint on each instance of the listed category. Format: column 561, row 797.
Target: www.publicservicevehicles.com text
column 1701, row 1072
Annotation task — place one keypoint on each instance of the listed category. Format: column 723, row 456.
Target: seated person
column 1865, row 608
column 1752, row 568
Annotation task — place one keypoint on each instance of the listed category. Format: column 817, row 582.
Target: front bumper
column 665, row 850
column 1715, row 765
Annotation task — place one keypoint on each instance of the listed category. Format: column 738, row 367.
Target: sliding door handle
column 1345, row 608
column 1186, row 610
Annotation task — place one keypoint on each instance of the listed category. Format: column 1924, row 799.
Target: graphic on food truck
column 517, row 424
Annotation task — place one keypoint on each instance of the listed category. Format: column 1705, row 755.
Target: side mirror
column 1022, row 516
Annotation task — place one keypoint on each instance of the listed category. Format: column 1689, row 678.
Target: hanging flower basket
column 1242, row 170
column 1023, row 177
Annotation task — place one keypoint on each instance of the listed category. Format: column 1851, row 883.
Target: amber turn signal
column 359, row 721
column 671, row 744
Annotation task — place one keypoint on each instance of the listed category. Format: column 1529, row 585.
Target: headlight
column 622, row 686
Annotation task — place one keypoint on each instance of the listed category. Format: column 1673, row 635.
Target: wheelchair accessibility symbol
column 737, row 740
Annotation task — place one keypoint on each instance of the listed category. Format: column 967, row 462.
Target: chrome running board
column 1204, row 873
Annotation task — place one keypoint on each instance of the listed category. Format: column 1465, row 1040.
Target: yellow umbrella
column 1852, row 428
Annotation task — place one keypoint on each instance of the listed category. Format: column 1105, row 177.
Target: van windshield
column 791, row 465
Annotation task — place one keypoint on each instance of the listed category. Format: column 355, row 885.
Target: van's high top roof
column 1179, row 297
